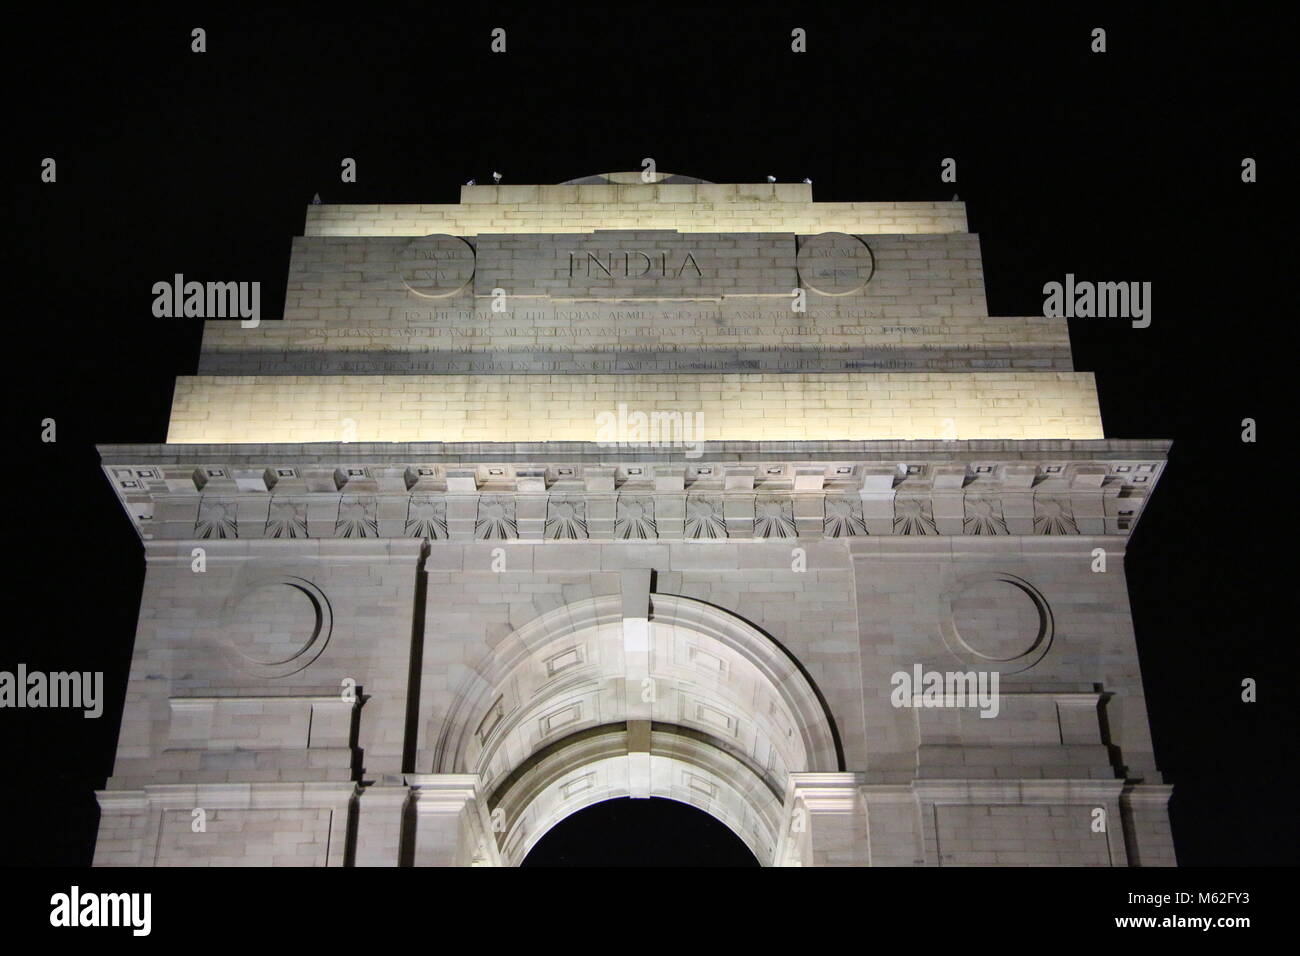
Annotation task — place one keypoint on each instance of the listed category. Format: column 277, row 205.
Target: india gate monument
column 636, row 486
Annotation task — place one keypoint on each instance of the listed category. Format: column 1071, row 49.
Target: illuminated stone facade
column 616, row 488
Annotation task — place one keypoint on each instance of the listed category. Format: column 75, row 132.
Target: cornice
column 1103, row 449
column 536, row 491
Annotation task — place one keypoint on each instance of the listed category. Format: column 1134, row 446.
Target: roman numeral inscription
column 434, row 267
column 834, row 263
column 630, row 264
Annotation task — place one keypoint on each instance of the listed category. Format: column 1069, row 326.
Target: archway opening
column 627, row 832
column 589, row 702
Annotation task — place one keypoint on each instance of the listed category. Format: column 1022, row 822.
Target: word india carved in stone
column 630, row 264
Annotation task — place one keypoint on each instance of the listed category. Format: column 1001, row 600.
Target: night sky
column 1123, row 166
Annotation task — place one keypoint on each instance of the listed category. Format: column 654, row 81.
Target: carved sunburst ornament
column 843, row 518
column 914, row 516
column 217, row 519
column 496, row 518
column 774, row 518
column 984, row 516
column 426, row 517
column 358, row 518
column 566, row 519
column 286, row 519
column 1053, row 516
column 635, row 518
column 705, row 518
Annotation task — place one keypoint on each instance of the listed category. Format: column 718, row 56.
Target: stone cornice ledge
column 1017, row 791
column 442, row 792
column 249, row 796
column 465, row 452
column 349, row 550
column 825, row 792
column 1147, row 794
column 757, row 489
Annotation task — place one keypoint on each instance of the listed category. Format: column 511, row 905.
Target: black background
column 1117, row 166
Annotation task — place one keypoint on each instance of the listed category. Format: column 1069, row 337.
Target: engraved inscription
column 835, row 264
column 631, row 264
column 434, row 267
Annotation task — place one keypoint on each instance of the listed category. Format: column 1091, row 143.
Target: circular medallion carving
column 835, row 263
column 436, row 266
column 276, row 626
column 1000, row 619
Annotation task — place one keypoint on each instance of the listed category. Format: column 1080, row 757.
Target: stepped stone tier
column 628, row 489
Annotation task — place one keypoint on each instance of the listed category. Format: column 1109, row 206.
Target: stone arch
column 608, row 697
column 589, row 768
